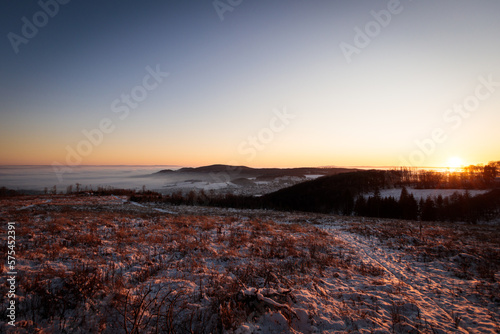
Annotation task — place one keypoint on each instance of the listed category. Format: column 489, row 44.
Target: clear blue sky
column 229, row 78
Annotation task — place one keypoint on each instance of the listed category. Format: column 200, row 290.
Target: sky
column 257, row 83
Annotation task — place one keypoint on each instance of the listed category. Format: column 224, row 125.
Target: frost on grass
column 94, row 264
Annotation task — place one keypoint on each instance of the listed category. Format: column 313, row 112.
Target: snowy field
column 102, row 264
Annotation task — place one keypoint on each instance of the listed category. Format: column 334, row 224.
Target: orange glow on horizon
column 151, row 155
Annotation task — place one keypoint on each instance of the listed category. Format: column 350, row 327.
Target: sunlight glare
column 455, row 162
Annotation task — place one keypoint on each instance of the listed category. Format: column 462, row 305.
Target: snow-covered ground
column 197, row 185
column 313, row 176
column 101, row 264
column 250, row 187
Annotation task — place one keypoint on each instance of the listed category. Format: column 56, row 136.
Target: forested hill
column 343, row 193
column 328, row 193
column 259, row 173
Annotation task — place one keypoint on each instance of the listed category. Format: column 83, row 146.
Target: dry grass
column 81, row 260
column 122, row 269
column 472, row 250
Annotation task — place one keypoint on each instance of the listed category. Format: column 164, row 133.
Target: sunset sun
column 454, row 162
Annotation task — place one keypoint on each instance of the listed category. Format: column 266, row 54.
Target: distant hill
column 258, row 173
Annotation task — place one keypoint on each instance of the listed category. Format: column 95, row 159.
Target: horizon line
column 214, row 164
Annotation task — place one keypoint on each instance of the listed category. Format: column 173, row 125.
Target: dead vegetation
column 156, row 271
column 473, row 250
column 112, row 268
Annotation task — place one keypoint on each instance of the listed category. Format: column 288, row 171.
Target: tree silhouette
column 408, row 205
column 429, row 210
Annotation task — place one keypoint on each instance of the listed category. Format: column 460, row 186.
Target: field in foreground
column 101, row 264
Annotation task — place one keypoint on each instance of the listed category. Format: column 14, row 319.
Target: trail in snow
column 396, row 269
column 33, row 205
column 441, row 299
column 165, row 211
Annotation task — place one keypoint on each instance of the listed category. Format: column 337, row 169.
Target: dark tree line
column 376, row 206
column 471, row 177
column 334, row 193
column 217, row 200
column 5, row 192
column 457, row 207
